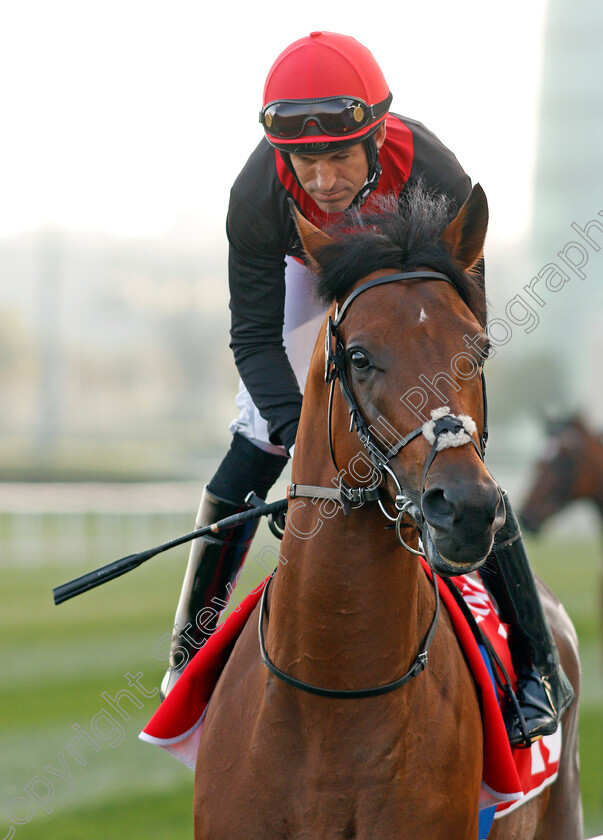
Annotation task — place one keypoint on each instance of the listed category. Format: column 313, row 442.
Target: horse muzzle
column 529, row 522
column 460, row 521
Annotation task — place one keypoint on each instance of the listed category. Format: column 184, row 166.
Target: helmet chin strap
column 374, row 172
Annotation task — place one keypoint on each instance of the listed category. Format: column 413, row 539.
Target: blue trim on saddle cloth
column 486, row 818
column 486, row 815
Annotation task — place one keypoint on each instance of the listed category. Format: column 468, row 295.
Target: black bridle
column 351, row 693
column 335, row 368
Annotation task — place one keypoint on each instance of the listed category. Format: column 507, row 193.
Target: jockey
column 332, row 144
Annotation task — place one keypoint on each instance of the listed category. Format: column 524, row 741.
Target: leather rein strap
column 352, row 693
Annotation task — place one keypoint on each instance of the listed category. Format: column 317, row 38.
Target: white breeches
column 303, row 318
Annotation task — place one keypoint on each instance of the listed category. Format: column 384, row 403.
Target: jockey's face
column 334, row 179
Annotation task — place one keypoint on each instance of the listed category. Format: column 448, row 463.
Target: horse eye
column 359, row 360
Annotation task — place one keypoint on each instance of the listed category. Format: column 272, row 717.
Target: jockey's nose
column 325, row 176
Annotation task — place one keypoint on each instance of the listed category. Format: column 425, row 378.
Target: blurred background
column 124, row 126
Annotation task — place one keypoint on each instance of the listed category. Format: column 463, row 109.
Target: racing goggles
column 336, row 116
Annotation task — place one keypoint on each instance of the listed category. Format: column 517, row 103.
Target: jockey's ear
column 466, row 234
column 313, row 239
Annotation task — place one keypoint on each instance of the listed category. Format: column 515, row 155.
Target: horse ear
column 313, row 239
column 466, row 234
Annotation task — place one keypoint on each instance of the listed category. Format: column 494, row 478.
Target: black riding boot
column 213, row 563
column 543, row 692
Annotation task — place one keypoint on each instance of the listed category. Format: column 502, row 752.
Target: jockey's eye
column 359, row 360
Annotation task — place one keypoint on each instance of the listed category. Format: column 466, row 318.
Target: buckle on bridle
column 422, row 660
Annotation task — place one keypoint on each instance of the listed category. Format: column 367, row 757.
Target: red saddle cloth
column 510, row 777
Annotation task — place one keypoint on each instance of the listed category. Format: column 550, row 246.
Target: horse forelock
column 400, row 235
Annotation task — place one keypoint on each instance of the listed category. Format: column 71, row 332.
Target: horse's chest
column 289, row 765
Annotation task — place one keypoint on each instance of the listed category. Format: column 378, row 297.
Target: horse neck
column 588, row 482
column 349, row 606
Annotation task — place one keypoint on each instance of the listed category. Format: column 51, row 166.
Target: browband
column 388, row 278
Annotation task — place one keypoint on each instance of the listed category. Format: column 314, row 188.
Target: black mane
column 401, row 235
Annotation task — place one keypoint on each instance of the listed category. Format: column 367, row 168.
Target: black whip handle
column 125, row 564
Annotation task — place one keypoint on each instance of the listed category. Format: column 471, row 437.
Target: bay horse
column 328, row 722
column 570, row 470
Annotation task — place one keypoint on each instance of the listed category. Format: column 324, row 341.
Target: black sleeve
column 437, row 166
column 259, row 230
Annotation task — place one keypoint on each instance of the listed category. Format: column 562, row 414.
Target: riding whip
column 126, row 564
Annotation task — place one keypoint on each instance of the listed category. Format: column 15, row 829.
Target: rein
column 418, row 665
column 442, row 431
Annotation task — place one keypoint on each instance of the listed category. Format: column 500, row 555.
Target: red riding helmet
column 323, row 89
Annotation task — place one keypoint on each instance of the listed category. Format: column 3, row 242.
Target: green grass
column 591, row 760
column 154, row 816
column 574, row 572
column 57, row 662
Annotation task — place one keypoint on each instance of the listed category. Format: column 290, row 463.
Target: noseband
column 442, row 431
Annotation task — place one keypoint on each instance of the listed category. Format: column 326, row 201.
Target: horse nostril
column 470, row 507
column 438, row 511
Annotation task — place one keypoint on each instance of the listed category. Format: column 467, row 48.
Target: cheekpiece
column 331, row 357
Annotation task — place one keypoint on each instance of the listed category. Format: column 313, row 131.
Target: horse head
column 569, row 469
column 405, row 338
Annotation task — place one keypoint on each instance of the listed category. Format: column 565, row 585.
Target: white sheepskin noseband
column 445, row 439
